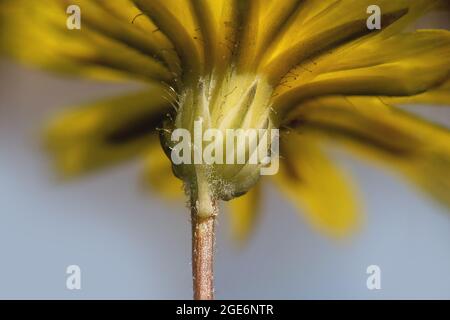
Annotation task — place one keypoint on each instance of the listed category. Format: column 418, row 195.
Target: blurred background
column 130, row 243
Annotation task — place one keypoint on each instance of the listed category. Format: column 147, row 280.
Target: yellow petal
column 116, row 20
column 158, row 174
column 218, row 21
column 439, row 96
column 405, row 64
column 417, row 148
column 37, row 34
column 177, row 19
column 318, row 26
column 244, row 213
column 105, row 132
column 311, row 181
column 262, row 20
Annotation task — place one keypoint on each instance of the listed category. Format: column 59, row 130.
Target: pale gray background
column 130, row 244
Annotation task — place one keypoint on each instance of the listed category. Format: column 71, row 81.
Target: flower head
column 311, row 68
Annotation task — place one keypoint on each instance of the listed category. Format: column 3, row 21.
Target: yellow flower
column 311, row 68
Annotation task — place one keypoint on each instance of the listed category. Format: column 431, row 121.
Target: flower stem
column 203, row 238
column 203, row 217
